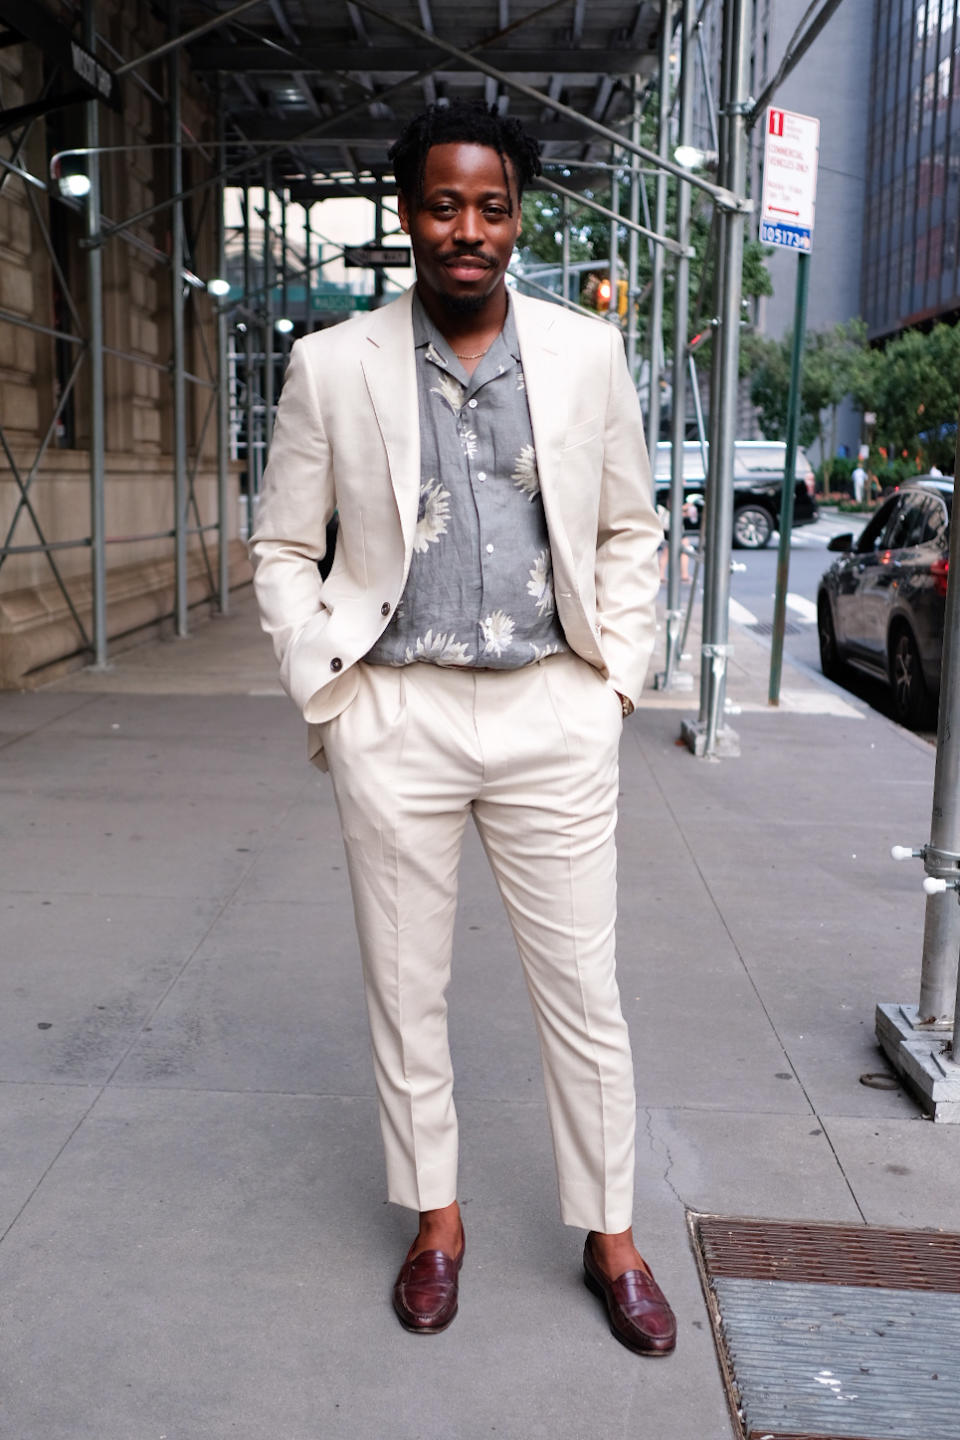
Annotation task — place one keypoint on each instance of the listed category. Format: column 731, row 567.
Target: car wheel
column 830, row 662
column 752, row 527
column 911, row 699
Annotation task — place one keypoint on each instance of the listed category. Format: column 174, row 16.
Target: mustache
column 463, row 253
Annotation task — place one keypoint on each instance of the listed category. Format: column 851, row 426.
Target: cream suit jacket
column 347, row 437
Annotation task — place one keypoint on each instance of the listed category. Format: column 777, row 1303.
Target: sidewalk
column 195, row 1242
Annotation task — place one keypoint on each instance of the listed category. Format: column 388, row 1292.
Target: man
column 486, row 624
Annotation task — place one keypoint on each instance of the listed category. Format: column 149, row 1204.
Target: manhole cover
column 834, row 1332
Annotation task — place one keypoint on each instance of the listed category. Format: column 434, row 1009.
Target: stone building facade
column 45, row 487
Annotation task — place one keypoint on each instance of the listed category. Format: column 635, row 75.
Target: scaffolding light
column 691, row 157
column 284, row 325
column 75, row 187
column 73, row 181
column 218, row 286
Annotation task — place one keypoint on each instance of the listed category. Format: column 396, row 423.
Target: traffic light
column 603, row 294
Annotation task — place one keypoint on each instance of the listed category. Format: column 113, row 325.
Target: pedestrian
column 690, row 515
column 859, row 478
column 486, row 626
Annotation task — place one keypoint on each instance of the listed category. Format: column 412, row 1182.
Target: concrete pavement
column 194, row 1237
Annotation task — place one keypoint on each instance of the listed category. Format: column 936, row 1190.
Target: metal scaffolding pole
column 284, row 294
column 378, row 275
column 98, row 528
column 655, row 337
column 308, row 271
column 565, row 249
column 248, row 369
column 223, row 377
column 267, row 317
column 708, row 736
column 913, row 1037
column 707, row 88
column 585, row 202
column 633, row 245
column 671, row 679
column 180, row 495
column 614, row 236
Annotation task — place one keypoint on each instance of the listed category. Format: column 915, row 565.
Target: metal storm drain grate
column 834, row 1332
column 765, row 627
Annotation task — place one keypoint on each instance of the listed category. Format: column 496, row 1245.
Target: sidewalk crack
column 658, row 1144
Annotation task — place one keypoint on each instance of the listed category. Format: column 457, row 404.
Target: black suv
column 758, row 467
column 880, row 606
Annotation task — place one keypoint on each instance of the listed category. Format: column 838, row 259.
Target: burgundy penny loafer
column 639, row 1315
column 425, row 1296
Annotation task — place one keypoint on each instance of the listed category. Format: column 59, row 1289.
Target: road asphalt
column 195, row 1243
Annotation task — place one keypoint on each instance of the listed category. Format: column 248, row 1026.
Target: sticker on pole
column 789, row 179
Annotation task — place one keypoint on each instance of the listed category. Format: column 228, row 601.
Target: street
column 752, row 588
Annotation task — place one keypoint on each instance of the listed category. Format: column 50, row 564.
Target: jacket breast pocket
column 584, row 433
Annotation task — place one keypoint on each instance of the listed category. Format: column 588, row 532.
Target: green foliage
column 541, row 241
column 542, row 232
column 838, row 477
column 834, row 365
column 912, row 385
column 756, row 276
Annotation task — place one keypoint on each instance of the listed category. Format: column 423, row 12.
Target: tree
column 768, row 364
column 833, row 368
column 912, row 385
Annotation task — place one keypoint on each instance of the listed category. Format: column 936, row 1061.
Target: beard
column 462, row 304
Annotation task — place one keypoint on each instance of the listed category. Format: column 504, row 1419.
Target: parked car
column 880, row 606
column 758, row 467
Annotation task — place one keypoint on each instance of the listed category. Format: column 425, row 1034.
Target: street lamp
column 283, row 325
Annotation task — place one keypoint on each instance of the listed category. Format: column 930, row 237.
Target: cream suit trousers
column 532, row 754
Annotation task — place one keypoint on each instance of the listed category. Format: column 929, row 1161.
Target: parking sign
column 789, row 179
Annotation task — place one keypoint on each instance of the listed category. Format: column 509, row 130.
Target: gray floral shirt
column 480, row 588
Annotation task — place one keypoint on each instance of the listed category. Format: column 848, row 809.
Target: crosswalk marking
column 740, row 615
column 802, row 607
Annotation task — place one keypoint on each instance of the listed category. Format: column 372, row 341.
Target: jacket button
column 336, row 663
column 385, row 608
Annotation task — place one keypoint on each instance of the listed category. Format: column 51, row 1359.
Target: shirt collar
column 425, row 334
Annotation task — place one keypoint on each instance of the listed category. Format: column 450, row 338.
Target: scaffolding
column 593, row 132
column 78, row 330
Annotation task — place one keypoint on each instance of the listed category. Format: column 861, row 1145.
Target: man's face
column 465, row 227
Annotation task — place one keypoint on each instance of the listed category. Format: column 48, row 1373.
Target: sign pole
column 789, row 476
column 791, row 151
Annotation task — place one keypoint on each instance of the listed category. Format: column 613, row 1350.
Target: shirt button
column 385, row 608
column 336, row 664
column 472, row 404
column 481, row 474
column 489, row 549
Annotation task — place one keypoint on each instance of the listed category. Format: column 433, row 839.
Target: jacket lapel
column 389, row 370
column 546, row 376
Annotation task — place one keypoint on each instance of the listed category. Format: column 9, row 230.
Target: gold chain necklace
column 479, row 355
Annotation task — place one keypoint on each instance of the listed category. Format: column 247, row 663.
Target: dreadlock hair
column 463, row 122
